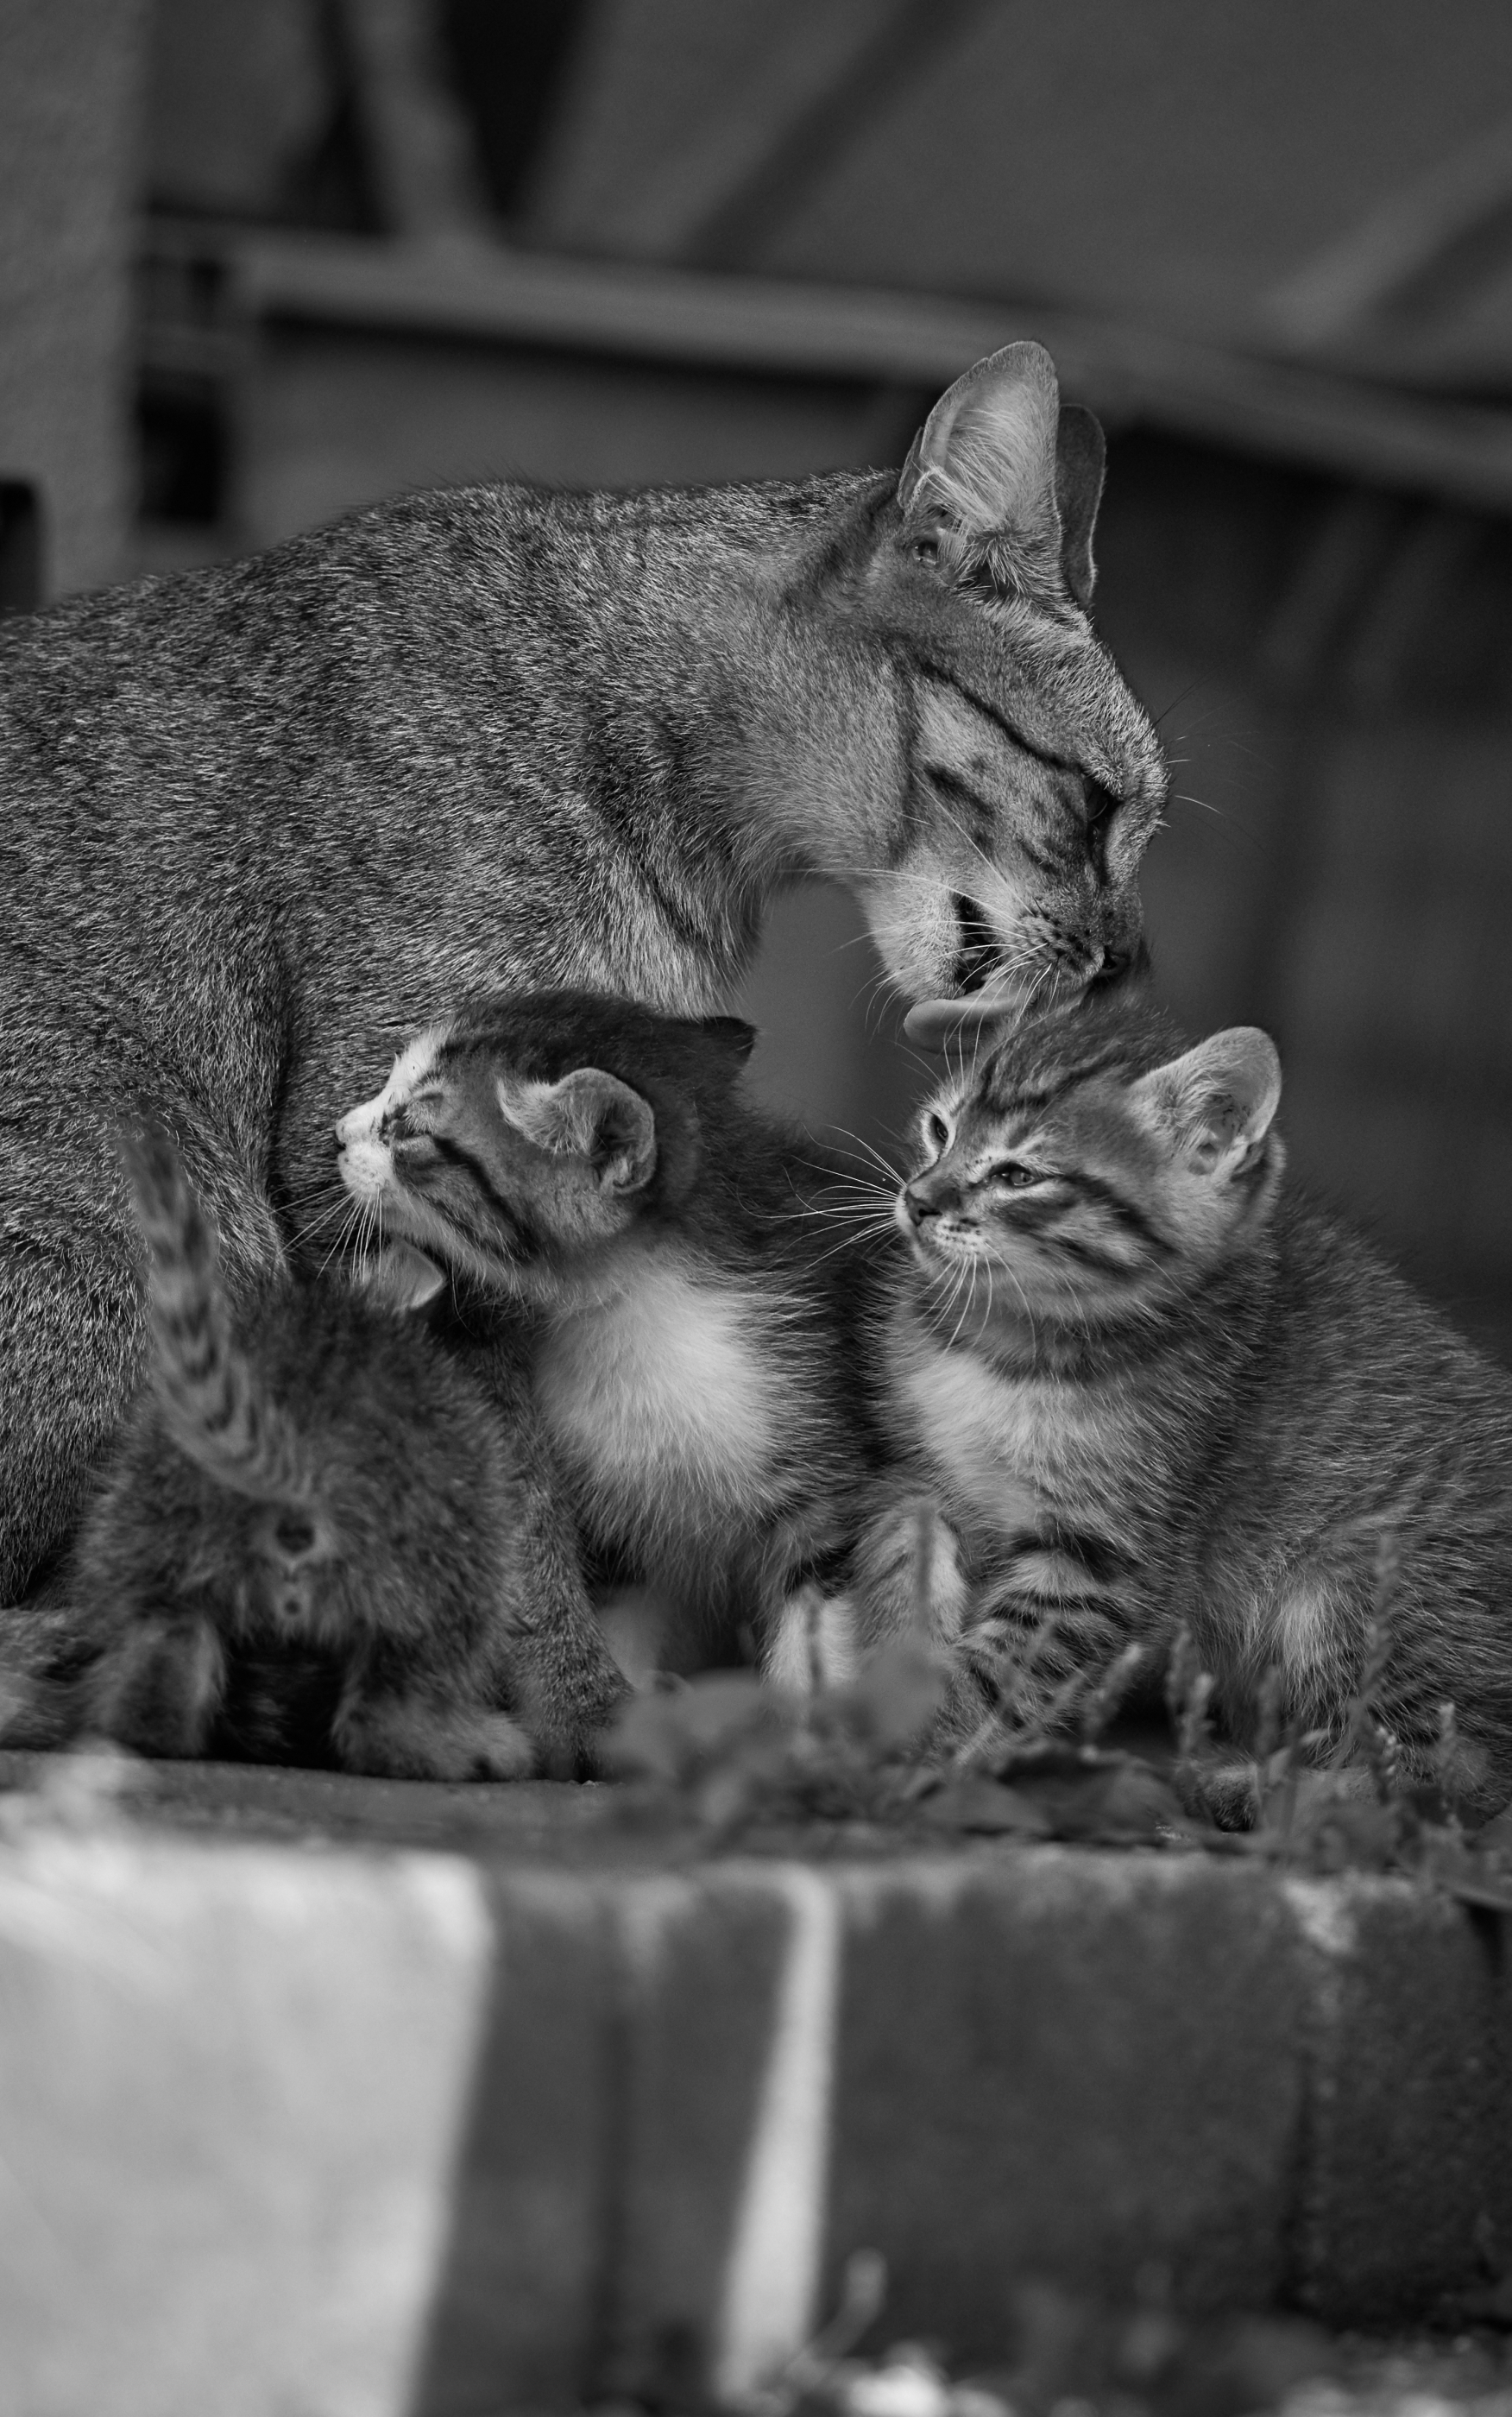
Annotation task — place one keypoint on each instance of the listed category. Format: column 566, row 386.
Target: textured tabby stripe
column 1088, row 1254
column 951, row 786
column 202, row 1380
column 1000, row 722
column 1126, row 1211
column 1061, row 1636
column 1104, row 1560
column 1029, row 1094
column 524, row 1236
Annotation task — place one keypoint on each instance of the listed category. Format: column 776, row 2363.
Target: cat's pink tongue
column 935, row 1022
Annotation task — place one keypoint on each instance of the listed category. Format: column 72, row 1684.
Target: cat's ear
column 728, row 1033
column 984, row 461
column 402, row 1278
column 1216, row 1104
column 1080, row 457
column 589, row 1115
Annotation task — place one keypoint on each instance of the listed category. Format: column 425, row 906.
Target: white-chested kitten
column 695, row 1349
column 1148, row 1384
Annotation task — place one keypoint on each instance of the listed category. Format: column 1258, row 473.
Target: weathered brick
column 1065, row 2065
column 1405, row 2191
column 703, row 1962
column 517, row 2308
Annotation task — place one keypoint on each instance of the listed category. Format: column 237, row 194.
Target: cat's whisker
column 967, row 1306
column 877, row 1233
column 353, row 1218
column 306, row 1230
column 867, row 1149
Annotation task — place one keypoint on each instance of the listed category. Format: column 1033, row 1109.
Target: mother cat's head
column 977, row 768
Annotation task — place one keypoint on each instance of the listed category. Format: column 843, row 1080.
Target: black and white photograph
column 755, row 1208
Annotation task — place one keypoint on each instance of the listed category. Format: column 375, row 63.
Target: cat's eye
column 1101, row 805
column 1013, row 1174
column 926, row 549
column 936, row 1132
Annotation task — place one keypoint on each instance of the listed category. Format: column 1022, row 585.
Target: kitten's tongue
column 935, row 1022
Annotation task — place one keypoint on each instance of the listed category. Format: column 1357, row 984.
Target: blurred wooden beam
column 1410, row 259
column 481, row 292
column 421, row 146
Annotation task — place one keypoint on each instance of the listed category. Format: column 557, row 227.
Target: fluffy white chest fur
column 1009, row 1449
column 668, row 1404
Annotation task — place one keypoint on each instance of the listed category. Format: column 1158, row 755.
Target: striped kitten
column 695, row 1347
column 1149, row 1384
column 312, row 1543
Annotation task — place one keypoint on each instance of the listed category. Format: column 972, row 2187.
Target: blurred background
column 263, row 259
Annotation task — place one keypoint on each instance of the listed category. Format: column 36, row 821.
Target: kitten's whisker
column 348, row 1219
column 891, row 1172
column 852, row 1241
column 971, row 1296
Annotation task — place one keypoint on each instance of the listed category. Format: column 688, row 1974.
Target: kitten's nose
column 339, row 1129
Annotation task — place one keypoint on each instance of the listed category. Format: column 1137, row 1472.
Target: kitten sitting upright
column 695, row 1354
column 1148, row 1384
column 312, row 1543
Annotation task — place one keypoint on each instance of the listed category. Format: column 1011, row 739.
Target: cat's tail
column 215, row 1409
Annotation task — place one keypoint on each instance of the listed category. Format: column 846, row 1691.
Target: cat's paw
column 813, row 1643
column 500, row 1749
column 401, row 1739
column 908, row 1572
column 159, row 1689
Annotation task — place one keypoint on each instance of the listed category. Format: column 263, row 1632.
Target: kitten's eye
column 1015, row 1175
column 936, row 1130
column 926, row 549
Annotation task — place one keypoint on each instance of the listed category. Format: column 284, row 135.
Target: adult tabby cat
column 262, row 820
column 314, row 1540
column 1148, row 1383
column 696, row 1354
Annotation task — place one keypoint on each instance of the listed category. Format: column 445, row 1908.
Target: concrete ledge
column 291, row 2127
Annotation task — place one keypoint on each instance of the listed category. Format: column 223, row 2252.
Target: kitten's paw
column 813, row 1643
column 500, row 1749
column 408, row 1740
column 1227, row 1793
column 908, row 1570
column 159, row 1689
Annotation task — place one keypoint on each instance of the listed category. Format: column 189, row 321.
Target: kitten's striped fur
column 210, row 1404
column 1149, row 1385
column 314, row 1540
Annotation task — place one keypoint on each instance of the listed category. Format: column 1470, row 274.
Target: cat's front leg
column 808, row 1634
column 158, row 1688
column 1042, row 1634
column 813, row 1641
column 907, row 1575
column 549, row 1655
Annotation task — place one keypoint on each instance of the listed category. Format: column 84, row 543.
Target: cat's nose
column 340, row 1130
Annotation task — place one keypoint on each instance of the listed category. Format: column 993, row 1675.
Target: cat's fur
column 1148, row 1384
column 312, row 1541
column 262, row 820
column 696, row 1315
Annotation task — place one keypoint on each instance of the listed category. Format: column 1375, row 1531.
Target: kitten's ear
column 402, row 1278
column 590, row 1115
column 728, row 1032
column 1217, row 1102
column 984, row 461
